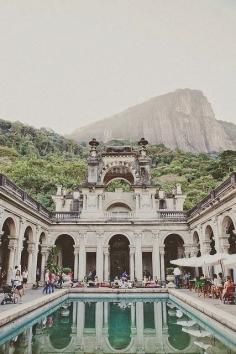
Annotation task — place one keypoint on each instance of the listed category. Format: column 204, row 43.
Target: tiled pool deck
column 214, row 308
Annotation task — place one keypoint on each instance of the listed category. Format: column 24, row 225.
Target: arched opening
column 162, row 204
column 28, row 237
column 174, row 248
column 118, row 172
column 229, row 230
column 196, row 244
column 118, row 184
column 209, row 235
column 8, row 230
column 119, row 329
column 119, row 255
column 65, row 244
column 60, row 329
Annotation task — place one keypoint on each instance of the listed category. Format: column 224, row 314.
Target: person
column 47, row 281
column 52, row 280
column 228, row 287
column 25, row 279
column 177, row 273
column 124, row 275
column 38, row 273
column 18, row 284
column 220, row 279
column 13, row 275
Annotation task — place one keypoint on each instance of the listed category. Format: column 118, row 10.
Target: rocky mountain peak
column 181, row 119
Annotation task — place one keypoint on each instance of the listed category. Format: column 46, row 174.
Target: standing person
column 177, row 273
column 52, row 280
column 18, row 284
column 47, row 282
column 13, row 275
column 25, row 279
column 38, row 273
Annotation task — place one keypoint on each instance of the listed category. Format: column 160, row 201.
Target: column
column 158, row 323
column 138, row 258
column 139, row 326
column 156, row 268
column 76, row 254
column 162, row 253
column 12, row 249
column 131, row 262
column 74, row 317
column 44, row 252
column 20, row 240
column 106, row 265
column 99, row 324
column 82, row 257
column 99, row 258
column 164, row 312
column 30, row 251
column 80, row 325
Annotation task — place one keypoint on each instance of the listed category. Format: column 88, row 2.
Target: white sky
column 66, row 63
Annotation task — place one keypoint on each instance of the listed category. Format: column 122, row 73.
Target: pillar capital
column 155, row 234
column 32, row 247
column 131, row 249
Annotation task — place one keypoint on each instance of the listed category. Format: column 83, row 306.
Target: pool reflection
column 108, row 327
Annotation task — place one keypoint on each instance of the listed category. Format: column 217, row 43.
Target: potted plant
column 170, row 277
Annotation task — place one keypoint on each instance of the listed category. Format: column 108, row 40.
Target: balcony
column 174, row 216
column 65, row 216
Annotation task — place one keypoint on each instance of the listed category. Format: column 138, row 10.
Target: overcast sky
column 66, row 63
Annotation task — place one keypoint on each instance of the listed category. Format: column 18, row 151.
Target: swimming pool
column 115, row 324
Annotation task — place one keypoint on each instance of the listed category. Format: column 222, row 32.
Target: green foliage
column 197, row 173
column 119, row 183
column 170, row 271
column 52, row 260
column 40, row 176
column 37, row 160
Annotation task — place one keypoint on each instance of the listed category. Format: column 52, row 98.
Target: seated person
column 90, row 275
column 228, row 287
column 124, row 275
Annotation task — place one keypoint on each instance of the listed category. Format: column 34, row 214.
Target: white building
column 138, row 231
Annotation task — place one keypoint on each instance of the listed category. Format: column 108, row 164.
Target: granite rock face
column 181, row 119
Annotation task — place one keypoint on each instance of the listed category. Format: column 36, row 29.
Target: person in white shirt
column 18, row 284
column 177, row 273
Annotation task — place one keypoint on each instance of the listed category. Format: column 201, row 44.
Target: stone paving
column 218, row 304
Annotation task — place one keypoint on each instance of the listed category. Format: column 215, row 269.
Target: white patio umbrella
column 202, row 345
column 200, row 333
column 183, row 323
column 187, row 262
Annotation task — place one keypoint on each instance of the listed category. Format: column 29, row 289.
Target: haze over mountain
column 181, row 119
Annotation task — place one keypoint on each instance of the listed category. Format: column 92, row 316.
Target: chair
column 229, row 296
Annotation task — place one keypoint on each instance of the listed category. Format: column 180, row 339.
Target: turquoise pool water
column 115, row 325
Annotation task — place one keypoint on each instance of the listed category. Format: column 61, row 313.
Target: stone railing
column 119, row 215
column 174, row 216
column 65, row 216
column 18, row 193
column 214, row 195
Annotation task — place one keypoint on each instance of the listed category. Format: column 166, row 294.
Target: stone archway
column 65, row 244
column 210, row 238
column 196, row 245
column 174, row 248
column 8, row 231
column 229, row 231
column 119, row 255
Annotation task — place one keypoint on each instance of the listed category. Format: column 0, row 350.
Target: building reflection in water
column 107, row 327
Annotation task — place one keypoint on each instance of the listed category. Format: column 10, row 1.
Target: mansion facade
column 111, row 230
